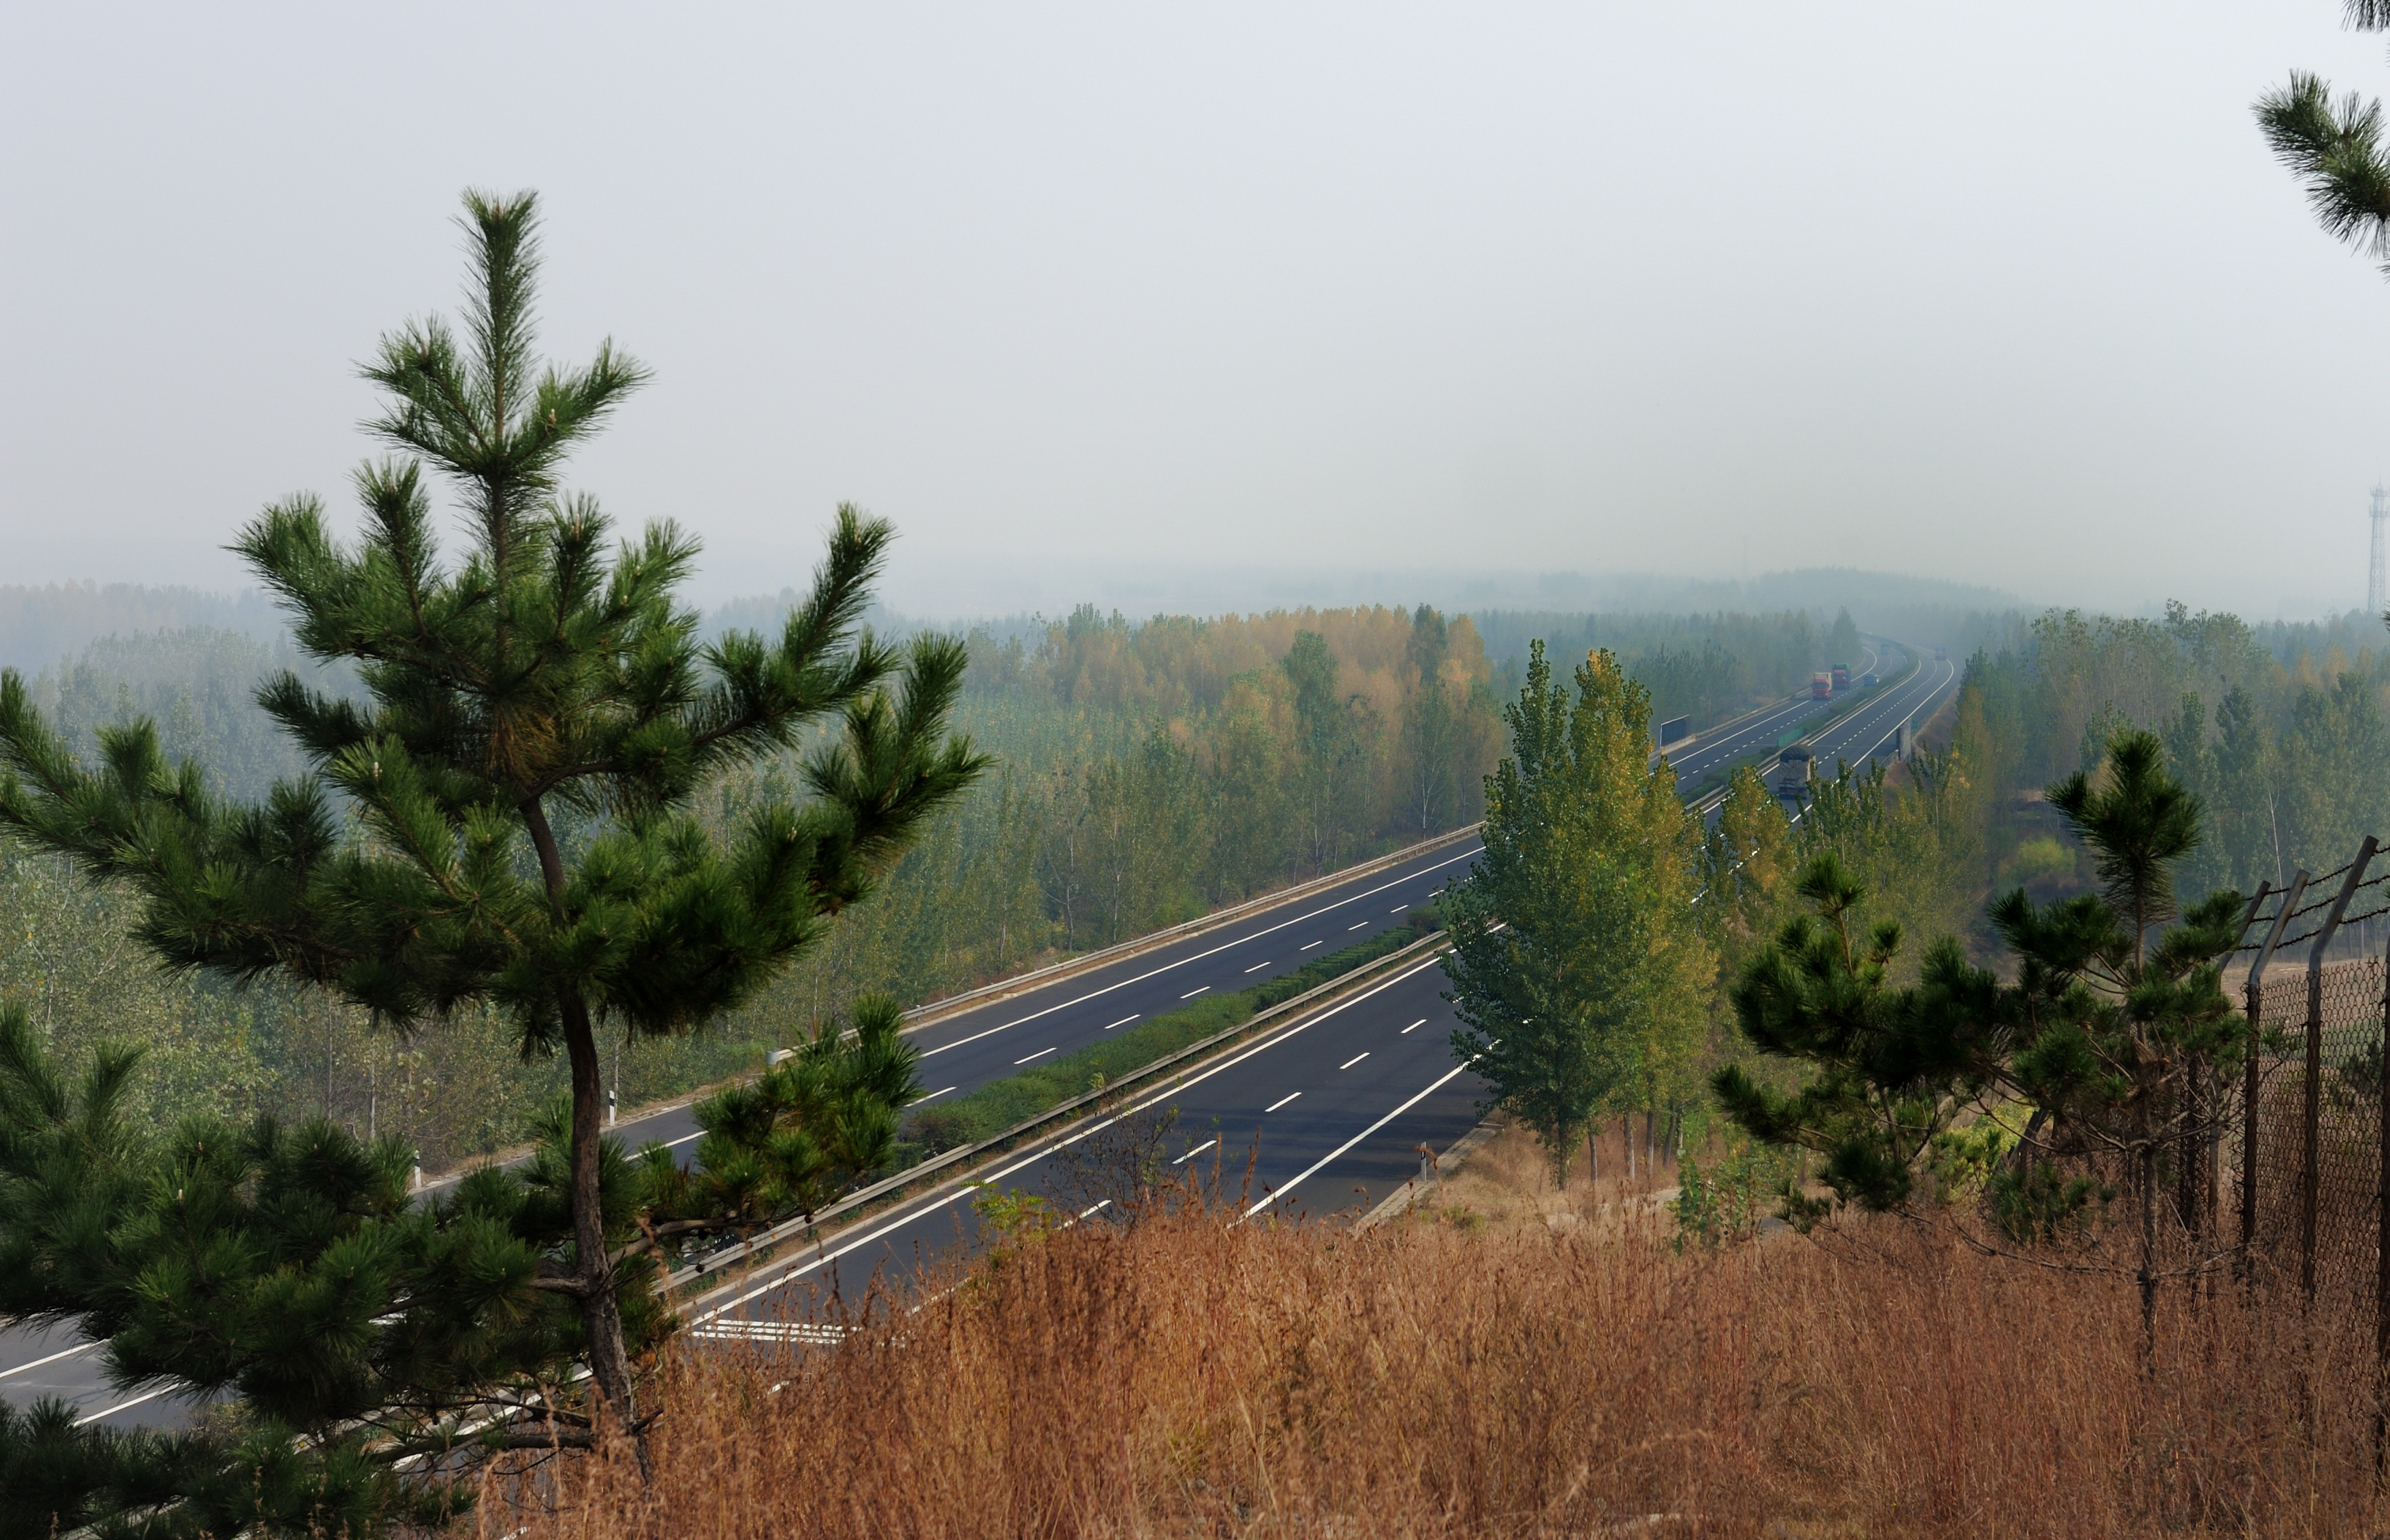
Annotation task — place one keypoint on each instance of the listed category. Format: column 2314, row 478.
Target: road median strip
column 957, row 1169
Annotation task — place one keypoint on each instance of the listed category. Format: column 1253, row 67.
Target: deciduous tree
column 1578, row 964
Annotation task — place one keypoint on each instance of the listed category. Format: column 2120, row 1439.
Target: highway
column 1322, row 1113
column 1325, row 1113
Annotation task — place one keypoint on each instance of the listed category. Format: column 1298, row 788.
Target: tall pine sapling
column 536, row 720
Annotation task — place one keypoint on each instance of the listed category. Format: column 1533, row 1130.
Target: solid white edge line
column 1157, row 972
column 1356, row 1138
column 51, row 1359
column 1043, row 1151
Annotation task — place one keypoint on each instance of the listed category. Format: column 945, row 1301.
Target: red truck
column 1820, row 686
column 1842, row 677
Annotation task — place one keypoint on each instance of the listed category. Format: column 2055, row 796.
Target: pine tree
column 2114, row 1028
column 1578, row 964
column 504, row 817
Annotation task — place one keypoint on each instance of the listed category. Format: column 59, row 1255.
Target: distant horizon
column 1140, row 298
column 1139, row 591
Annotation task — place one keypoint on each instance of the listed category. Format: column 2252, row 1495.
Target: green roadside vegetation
column 991, row 1108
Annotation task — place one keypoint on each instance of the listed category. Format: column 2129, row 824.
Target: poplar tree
column 502, row 815
column 1578, row 966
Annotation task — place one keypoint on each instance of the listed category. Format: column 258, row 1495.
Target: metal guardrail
column 959, row 1157
column 933, row 1011
column 1831, row 720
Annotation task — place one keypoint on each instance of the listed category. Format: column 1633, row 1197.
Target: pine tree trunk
column 610, row 1357
column 2149, row 1274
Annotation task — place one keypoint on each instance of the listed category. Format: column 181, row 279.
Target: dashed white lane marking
column 85, row 1347
column 676, row 1144
column 903, row 1215
column 1398, row 908
column 1306, row 946
column 1257, row 968
column 1350, row 928
column 120, row 1406
column 1355, row 1059
column 1197, row 1150
column 932, row 1096
column 1192, row 993
column 1039, row 1054
column 1124, row 1020
column 1223, row 946
column 1280, row 1102
column 1413, row 1027
column 1343, row 1149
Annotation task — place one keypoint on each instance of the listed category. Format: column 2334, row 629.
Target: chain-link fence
column 2310, row 1199
column 2301, row 1145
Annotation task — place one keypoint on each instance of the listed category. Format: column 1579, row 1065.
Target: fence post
column 2382, row 1247
column 2255, row 1010
column 2311, row 1179
column 2202, row 1173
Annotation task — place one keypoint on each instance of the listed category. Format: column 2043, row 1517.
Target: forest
column 1147, row 772
column 1150, row 771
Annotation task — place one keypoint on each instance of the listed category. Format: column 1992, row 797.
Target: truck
column 1941, row 654
column 1792, row 769
column 1842, row 677
column 1822, row 684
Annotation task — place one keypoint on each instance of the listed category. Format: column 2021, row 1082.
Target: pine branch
column 2337, row 152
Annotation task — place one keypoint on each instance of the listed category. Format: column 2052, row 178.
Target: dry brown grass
column 1441, row 1378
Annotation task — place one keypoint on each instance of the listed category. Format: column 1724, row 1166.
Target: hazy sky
column 2010, row 295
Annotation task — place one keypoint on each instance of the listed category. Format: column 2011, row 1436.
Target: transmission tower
column 2377, row 593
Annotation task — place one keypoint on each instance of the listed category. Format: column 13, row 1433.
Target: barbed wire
column 2263, row 921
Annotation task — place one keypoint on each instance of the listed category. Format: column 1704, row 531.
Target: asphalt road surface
column 1324, row 1113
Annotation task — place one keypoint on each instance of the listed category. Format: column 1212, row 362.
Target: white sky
column 2010, row 295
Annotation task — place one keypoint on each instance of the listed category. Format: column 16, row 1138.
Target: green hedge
column 999, row 1105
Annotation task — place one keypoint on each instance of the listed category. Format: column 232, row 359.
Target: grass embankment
column 1431, row 1378
column 994, row 1108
